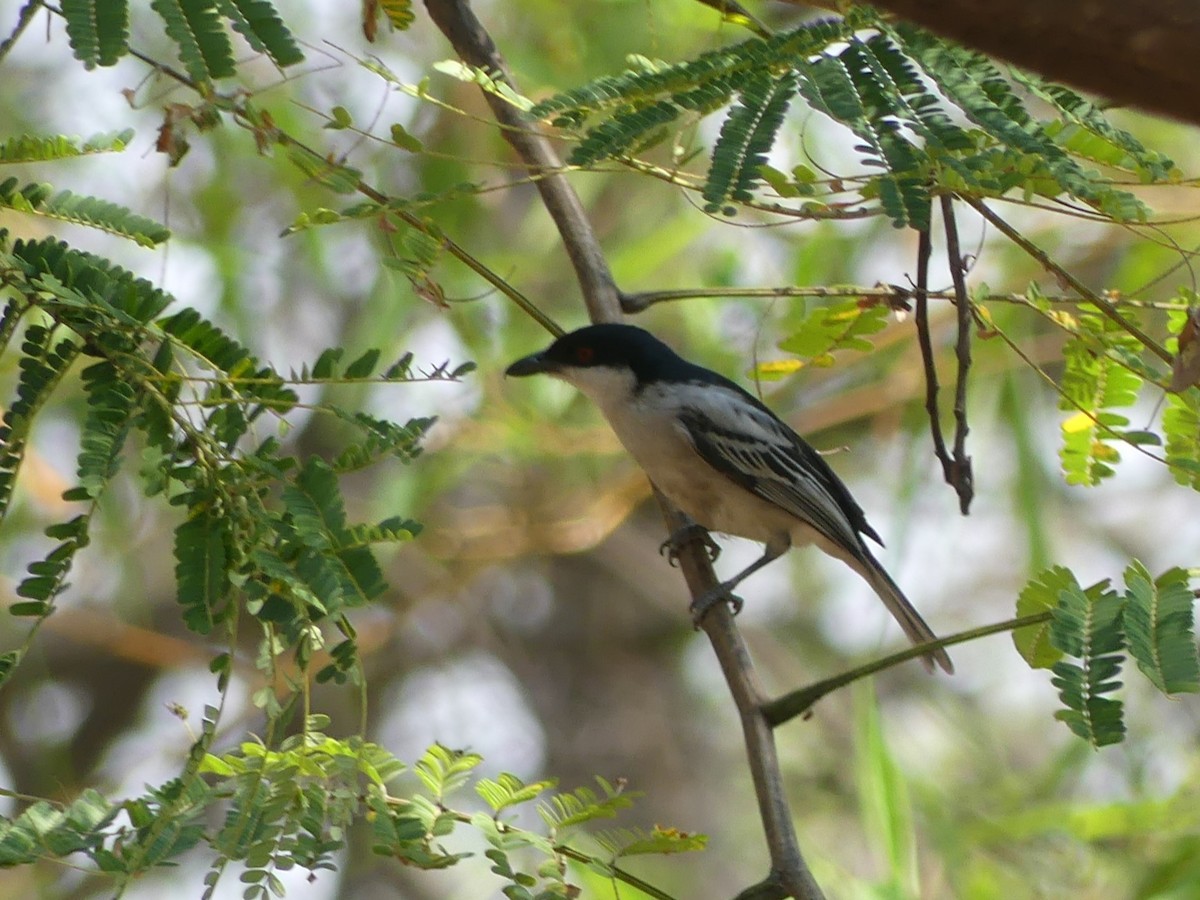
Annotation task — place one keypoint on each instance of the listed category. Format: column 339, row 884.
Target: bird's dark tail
column 893, row 598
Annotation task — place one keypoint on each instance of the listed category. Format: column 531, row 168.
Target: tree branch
column 1066, row 278
column 789, row 874
column 960, row 471
column 799, row 702
column 1137, row 53
column 925, row 342
column 475, row 47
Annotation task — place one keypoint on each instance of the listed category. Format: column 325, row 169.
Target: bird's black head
column 608, row 345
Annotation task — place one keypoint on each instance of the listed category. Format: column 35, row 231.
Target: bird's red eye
column 584, row 355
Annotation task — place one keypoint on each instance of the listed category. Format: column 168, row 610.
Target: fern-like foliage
column 1091, row 630
column 746, row 137
column 258, row 524
column 824, row 331
column 44, row 360
column 259, row 23
column 1087, row 627
column 570, row 808
column 1160, row 626
column 1034, row 642
column 42, row 827
column 509, row 790
column 38, row 199
column 898, row 89
column 195, row 27
column 97, row 29
column 39, row 148
column 1181, row 424
column 1096, row 381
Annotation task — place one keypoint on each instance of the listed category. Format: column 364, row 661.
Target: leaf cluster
column 98, row 31
column 1091, row 632
column 929, row 117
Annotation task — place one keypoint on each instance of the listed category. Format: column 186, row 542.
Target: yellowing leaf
column 1079, row 422
column 779, row 367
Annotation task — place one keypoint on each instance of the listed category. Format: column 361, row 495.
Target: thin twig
column 24, row 17
column 925, row 342
column 894, row 295
column 797, row 703
column 962, row 478
column 1106, row 307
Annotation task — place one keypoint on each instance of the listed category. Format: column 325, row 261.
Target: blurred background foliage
column 533, row 620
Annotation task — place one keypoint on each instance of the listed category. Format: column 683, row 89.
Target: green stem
column 799, row 702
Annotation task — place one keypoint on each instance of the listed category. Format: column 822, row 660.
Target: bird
column 722, row 458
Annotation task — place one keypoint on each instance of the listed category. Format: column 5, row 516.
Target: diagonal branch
column 799, row 702
column 1105, row 307
column 789, row 876
column 475, row 46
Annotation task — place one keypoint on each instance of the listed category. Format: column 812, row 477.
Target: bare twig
column 789, row 874
column 961, row 476
column 28, row 11
column 1087, row 294
column 885, row 293
column 799, row 702
column 925, row 342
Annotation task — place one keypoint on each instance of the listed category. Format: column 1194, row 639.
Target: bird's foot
column 680, row 536
column 722, row 593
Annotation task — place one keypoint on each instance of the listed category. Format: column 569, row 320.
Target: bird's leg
column 689, row 532
column 724, row 590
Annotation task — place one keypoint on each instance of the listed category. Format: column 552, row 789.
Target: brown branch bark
column 789, row 876
column 963, row 478
column 475, row 46
column 1141, row 54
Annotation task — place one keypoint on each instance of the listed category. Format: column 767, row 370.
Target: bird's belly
column 707, row 496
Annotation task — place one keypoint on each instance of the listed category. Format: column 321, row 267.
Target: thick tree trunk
column 1138, row 53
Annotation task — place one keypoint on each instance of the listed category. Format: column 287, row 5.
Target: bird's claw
column 674, row 543
column 706, row 601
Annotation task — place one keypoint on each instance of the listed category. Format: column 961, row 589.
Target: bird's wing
column 745, row 442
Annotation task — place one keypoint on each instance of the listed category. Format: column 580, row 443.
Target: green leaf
column 1041, row 595
column 111, row 406
column 583, row 805
column 1181, row 425
column 195, row 27
column 746, row 137
column 626, row 842
column 443, row 770
column 1096, row 380
column 398, row 12
column 1159, row 624
column 41, row 367
column 93, row 212
column 98, row 30
column 1087, row 626
column 259, row 23
column 37, row 148
column 405, row 140
column 509, row 790
column 200, row 567
column 842, row 326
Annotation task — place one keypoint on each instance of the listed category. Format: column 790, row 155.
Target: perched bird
column 721, row 456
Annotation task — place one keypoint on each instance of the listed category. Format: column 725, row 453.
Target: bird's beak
column 534, row 364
